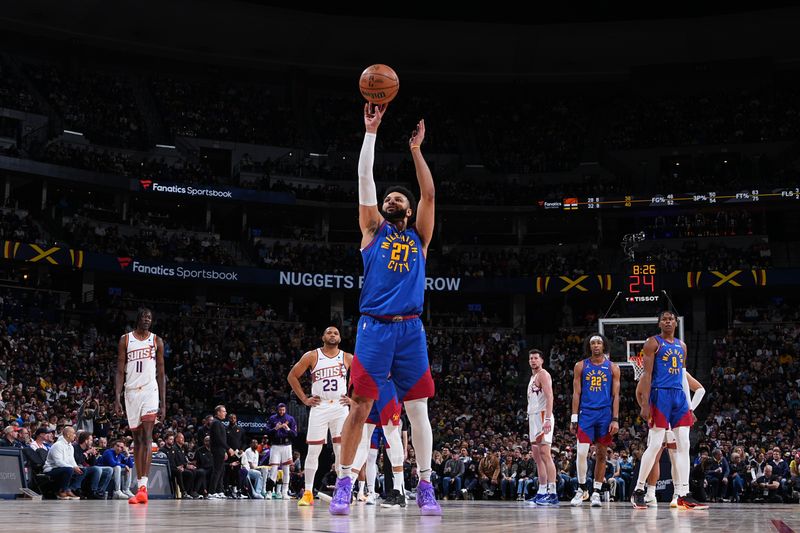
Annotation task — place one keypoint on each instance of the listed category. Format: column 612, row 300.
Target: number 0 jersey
column 329, row 376
column 140, row 369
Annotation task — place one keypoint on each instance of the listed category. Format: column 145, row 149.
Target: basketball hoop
column 637, row 362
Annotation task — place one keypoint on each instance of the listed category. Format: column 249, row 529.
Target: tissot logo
column 124, row 262
column 146, row 183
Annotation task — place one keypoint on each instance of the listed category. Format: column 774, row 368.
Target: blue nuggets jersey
column 596, row 385
column 394, row 273
column 668, row 364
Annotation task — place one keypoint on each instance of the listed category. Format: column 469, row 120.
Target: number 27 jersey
column 329, row 376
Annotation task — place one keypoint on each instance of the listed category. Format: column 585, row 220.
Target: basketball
column 379, row 84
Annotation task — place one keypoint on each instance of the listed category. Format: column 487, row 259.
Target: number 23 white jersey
column 140, row 370
column 329, row 376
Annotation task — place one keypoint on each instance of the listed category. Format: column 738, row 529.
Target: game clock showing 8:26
column 643, row 279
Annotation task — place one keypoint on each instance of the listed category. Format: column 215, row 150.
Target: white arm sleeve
column 697, row 398
column 366, row 182
column 685, row 386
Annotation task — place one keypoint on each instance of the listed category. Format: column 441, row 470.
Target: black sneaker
column 638, row 499
column 394, row 500
column 688, row 502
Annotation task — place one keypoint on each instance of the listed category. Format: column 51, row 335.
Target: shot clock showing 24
column 642, row 282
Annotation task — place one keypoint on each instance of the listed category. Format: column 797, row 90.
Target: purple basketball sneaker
column 426, row 499
column 340, row 504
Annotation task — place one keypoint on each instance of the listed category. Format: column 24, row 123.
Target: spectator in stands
column 717, row 472
column 204, row 462
column 255, row 477
column 9, row 439
column 40, row 438
column 116, row 458
column 96, row 477
column 767, row 487
column 61, row 466
column 489, row 472
column 452, row 474
column 739, row 477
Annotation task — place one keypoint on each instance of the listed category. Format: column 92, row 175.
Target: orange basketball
column 379, row 84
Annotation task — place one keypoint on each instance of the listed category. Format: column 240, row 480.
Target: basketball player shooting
column 328, row 401
column 140, row 369
column 391, row 337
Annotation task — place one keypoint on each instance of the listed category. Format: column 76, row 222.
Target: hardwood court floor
column 459, row 517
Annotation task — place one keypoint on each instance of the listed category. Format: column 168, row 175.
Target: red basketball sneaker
column 140, row 497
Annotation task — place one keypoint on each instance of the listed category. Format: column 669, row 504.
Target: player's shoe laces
column 306, row 500
column 596, row 499
column 580, row 497
column 340, row 504
column 395, row 499
column 688, row 502
column 140, row 497
column 638, row 499
column 426, row 499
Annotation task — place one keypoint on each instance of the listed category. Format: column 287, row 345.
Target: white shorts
column 535, row 426
column 140, row 402
column 280, row 454
column 326, row 416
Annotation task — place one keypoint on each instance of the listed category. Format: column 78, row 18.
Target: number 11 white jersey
column 140, row 370
column 329, row 376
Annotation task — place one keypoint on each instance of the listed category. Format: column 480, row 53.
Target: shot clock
column 642, row 282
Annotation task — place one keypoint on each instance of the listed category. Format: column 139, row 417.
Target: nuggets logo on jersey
column 402, row 249
column 595, row 379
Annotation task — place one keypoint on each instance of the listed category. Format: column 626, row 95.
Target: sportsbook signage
column 214, row 193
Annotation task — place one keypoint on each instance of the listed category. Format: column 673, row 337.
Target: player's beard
column 395, row 216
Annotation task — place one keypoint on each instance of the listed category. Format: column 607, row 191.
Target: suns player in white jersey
column 540, row 428
column 140, row 368
column 328, row 366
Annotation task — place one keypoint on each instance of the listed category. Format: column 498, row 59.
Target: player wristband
column 615, row 419
column 415, row 146
column 573, row 419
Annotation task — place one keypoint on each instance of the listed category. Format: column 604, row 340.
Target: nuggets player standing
column 328, row 401
column 391, row 337
column 140, row 368
column 595, row 413
column 662, row 384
